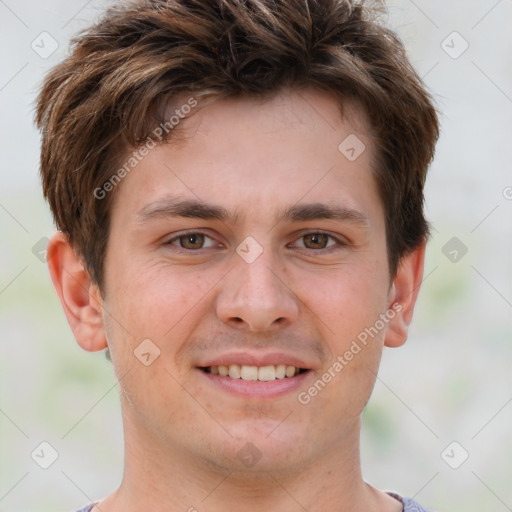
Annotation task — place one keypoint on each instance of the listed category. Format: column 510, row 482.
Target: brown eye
column 316, row 240
column 191, row 241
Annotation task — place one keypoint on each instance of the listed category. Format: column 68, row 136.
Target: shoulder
column 409, row 504
column 87, row 508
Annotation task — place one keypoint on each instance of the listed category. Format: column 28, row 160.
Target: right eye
column 191, row 241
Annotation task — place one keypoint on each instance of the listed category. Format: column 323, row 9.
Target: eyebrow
column 195, row 209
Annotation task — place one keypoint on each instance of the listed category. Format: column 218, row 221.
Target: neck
column 165, row 477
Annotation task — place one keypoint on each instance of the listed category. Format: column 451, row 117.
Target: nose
column 254, row 296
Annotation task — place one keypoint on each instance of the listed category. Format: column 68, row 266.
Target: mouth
column 256, row 382
column 266, row 373
column 256, row 375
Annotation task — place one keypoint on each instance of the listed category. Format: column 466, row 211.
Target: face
column 252, row 245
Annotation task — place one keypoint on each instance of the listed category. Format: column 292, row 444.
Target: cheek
column 151, row 315
column 349, row 303
column 160, row 303
column 345, row 301
column 359, row 336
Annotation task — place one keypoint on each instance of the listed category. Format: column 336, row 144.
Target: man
column 238, row 188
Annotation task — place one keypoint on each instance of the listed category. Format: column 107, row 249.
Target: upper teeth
column 265, row 373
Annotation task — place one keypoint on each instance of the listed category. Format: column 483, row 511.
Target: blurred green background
column 451, row 382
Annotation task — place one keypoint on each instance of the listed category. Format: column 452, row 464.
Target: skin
column 305, row 296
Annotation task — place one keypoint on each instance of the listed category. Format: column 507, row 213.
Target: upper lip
column 248, row 359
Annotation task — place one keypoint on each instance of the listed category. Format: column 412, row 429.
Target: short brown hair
column 108, row 94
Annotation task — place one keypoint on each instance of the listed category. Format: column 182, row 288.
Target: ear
column 402, row 296
column 79, row 296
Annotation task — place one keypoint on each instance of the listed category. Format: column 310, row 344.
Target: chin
column 267, row 446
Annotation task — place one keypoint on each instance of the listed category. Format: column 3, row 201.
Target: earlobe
column 403, row 294
column 77, row 293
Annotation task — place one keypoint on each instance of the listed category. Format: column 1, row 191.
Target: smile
column 259, row 373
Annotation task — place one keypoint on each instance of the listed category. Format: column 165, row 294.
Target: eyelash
column 339, row 243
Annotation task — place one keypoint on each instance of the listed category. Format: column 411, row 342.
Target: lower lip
column 257, row 388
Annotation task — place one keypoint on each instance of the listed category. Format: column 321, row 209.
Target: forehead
column 248, row 151
column 308, row 111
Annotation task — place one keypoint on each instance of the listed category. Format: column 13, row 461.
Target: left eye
column 317, row 240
